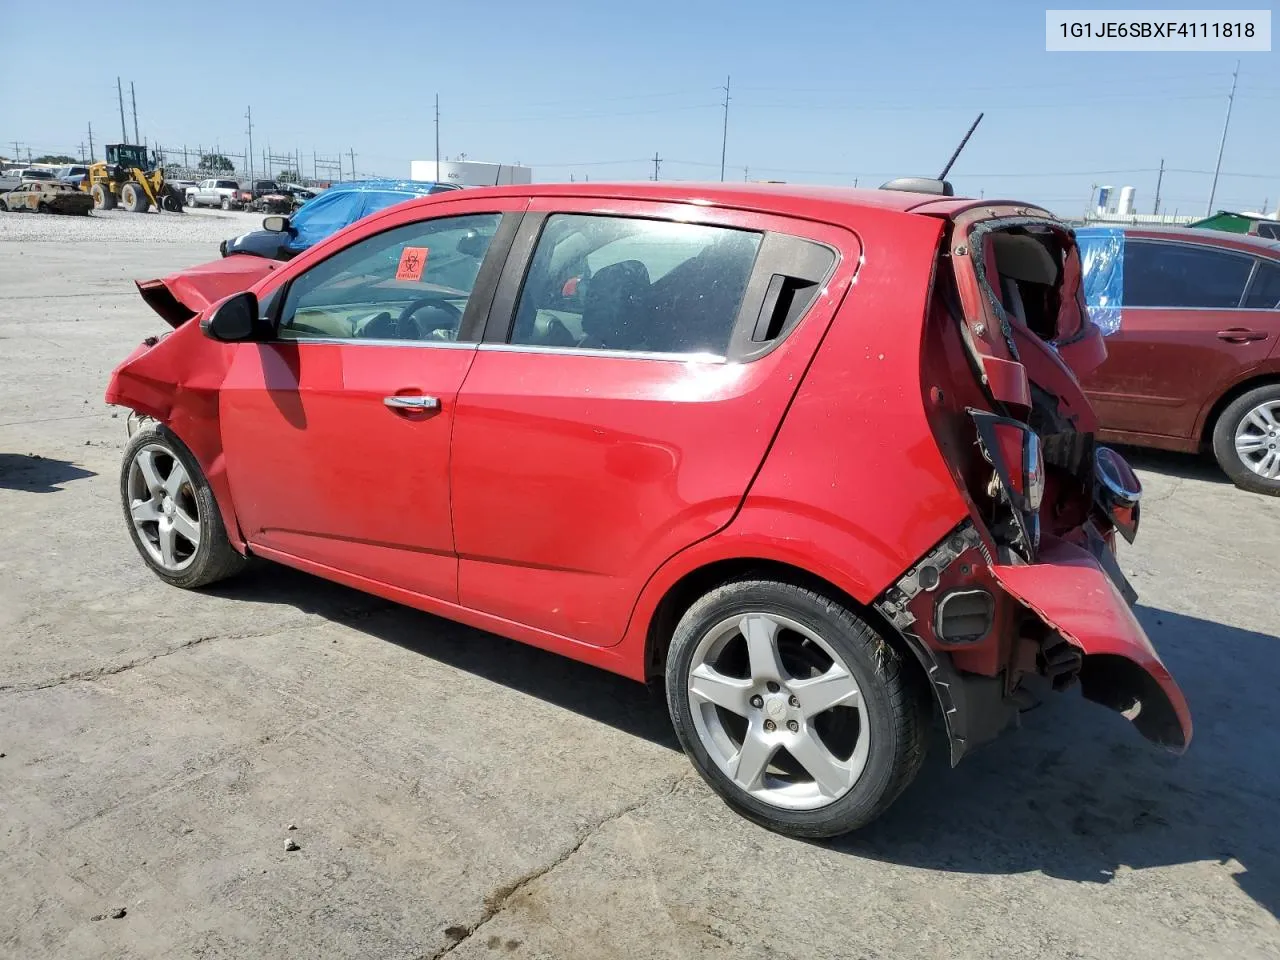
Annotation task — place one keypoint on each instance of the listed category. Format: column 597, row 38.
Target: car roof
column 409, row 187
column 817, row 202
column 1224, row 238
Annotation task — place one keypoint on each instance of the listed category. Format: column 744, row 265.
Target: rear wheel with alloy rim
column 793, row 708
column 171, row 511
column 1246, row 440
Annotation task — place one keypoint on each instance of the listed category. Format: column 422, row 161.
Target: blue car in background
column 339, row 206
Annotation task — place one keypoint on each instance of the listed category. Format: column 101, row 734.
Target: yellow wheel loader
column 131, row 179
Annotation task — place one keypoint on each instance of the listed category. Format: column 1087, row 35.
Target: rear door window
column 1183, row 275
column 1264, row 291
column 628, row 284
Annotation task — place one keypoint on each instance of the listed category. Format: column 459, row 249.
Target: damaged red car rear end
column 815, row 460
column 1036, row 556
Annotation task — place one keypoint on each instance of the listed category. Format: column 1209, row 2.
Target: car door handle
column 412, row 403
column 1241, row 335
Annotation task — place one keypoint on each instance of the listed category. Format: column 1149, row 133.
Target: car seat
column 615, row 309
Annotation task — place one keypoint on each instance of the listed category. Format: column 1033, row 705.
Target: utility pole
column 1159, row 179
column 1223, row 142
column 657, row 162
column 91, row 143
column 133, row 98
column 724, row 137
column 82, row 152
column 17, row 154
column 248, row 115
column 124, row 134
column 746, row 174
column 437, row 138
column 353, row 163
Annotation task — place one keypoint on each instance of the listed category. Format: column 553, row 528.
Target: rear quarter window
column 1264, row 291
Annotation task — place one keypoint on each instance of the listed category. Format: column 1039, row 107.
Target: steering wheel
column 402, row 321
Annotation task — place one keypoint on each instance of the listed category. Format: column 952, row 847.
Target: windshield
column 128, row 155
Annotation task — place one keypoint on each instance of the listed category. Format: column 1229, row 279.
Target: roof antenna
column 951, row 162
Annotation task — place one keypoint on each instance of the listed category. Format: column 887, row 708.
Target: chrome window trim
column 1126, row 307
column 613, row 354
column 372, row 342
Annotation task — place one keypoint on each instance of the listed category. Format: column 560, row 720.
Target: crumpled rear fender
column 175, row 380
column 1069, row 589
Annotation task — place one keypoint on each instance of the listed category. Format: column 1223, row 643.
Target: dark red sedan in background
column 1192, row 323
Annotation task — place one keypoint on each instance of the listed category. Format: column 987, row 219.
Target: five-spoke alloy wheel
column 172, row 515
column 1246, row 440
column 793, row 708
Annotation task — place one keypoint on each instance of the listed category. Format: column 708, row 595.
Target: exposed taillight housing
column 1014, row 451
column 1117, row 491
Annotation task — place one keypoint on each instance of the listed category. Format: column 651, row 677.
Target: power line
column 133, row 98
column 724, row 139
column 124, row 134
column 1223, row 142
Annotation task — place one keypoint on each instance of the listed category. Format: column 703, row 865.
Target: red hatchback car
column 789, row 451
column 1192, row 319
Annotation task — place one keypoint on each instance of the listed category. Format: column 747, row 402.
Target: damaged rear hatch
column 1049, row 499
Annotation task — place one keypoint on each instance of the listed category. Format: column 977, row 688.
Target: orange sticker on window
column 413, row 260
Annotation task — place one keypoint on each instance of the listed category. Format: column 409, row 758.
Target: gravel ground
column 455, row 793
column 119, row 226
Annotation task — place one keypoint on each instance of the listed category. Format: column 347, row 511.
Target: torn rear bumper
column 1071, row 591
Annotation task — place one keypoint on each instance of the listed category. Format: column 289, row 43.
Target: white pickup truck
column 214, row 193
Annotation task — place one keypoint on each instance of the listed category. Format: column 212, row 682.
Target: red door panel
column 1164, row 365
column 321, row 468
column 576, row 475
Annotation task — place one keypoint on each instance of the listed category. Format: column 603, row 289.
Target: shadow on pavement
column 1188, row 466
column 595, row 694
column 37, row 474
column 1076, row 793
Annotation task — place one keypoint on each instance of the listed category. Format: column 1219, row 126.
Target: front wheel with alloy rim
column 1246, row 440
column 793, row 708
column 171, row 512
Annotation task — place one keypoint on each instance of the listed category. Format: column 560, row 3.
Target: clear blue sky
column 821, row 92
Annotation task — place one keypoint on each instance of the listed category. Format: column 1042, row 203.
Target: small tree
column 54, row 158
column 216, row 163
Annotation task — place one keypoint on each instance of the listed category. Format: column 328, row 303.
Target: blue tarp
column 1102, row 262
column 345, row 203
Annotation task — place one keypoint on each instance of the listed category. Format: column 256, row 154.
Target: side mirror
column 235, row 320
column 276, row 224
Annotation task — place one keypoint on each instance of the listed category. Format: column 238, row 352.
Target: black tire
column 214, row 559
column 1224, row 440
column 42, row 207
column 134, row 198
column 103, row 198
column 894, row 695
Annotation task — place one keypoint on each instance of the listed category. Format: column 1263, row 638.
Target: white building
column 470, row 173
